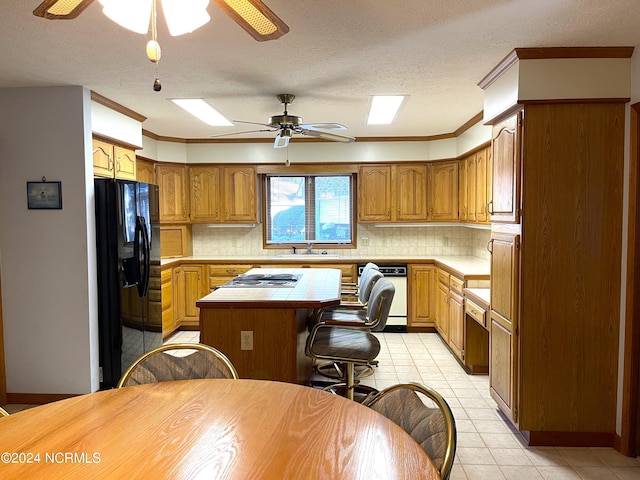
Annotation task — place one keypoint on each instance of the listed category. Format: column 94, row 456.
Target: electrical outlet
column 246, row 340
column 445, row 241
column 364, row 241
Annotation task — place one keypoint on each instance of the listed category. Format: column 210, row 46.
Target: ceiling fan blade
column 334, row 137
column 61, row 9
column 281, row 141
column 255, row 18
column 240, row 133
column 253, row 123
column 323, row 126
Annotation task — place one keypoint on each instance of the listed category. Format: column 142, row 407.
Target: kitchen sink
column 307, row 256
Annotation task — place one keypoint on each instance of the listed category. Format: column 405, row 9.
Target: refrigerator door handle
column 141, row 252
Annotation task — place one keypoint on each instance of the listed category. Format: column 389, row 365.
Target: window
column 314, row 209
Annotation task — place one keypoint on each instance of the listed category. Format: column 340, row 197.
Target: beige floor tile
column 595, row 473
column 500, row 440
column 490, row 426
column 580, row 457
column 521, row 472
column 457, row 473
column 558, row 473
column 470, row 439
column 464, row 426
column 510, row 456
column 483, row 472
column 627, row 473
column 545, row 456
column 613, row 458
column 474, row 456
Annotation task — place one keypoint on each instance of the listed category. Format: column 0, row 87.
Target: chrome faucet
column 309, row 247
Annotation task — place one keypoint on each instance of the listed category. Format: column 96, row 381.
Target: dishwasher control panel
column 388, row 269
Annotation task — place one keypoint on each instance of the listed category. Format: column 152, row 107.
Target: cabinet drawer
column 456, row 284
column 443, row 277
column 228, row 270
column 477, row 313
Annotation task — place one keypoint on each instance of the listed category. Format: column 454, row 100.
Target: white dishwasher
column 396, row 273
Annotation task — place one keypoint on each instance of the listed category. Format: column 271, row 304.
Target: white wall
column 47, row 257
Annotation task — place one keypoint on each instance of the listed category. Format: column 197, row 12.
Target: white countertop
column 465, row 265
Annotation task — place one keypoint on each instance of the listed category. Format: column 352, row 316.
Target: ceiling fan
column 252, row 15
column 286, row 125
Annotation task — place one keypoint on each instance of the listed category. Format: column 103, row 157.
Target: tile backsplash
column 372, row 241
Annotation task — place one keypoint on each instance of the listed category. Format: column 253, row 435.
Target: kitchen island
column 262, row 329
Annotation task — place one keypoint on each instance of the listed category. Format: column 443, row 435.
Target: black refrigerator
column 128, row 261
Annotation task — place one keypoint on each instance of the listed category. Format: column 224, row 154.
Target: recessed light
column 203, row 111
column 384, row 109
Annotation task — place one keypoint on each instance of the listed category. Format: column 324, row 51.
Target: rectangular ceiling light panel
column 384, row 109
column 203, row 111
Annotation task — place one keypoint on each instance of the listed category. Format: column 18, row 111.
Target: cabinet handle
column 490, row 246
column 490, row 207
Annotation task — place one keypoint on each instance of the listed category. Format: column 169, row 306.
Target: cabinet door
column 411, row 192
column 168, row 320
column 481, row 186
column 442, row 312
column 187, row 291
column 374, row 193
column 239, row 195
column 505, row 183
column 471, row 189
column 172, row 180
column 421, row 290
column 125, row 163
column 456, row 325
column 145, row 171
column 204, row 194
column 444, row 192
column 462, row 189
column 103, row 161
column 502, row 371
column 504, row 274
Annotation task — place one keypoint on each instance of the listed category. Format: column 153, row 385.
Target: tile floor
column 488, row 448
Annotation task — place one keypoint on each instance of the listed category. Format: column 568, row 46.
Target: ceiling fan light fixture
column 61, row 9
column 134, row 16
column 384, row 109
column 185, row 16
column 255, row 18
column 202, row 111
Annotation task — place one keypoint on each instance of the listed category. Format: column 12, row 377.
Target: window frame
column 309, row 199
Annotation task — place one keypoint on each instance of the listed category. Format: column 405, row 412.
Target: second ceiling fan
column 252, row 15
column 287, row 125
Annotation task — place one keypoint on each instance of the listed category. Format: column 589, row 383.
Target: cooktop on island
column 263, row 280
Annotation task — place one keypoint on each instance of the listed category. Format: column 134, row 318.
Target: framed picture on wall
column 44, row 195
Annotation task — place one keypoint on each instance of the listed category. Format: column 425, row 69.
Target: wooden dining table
column 208, row 429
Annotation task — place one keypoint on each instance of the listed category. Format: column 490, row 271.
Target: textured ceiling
column 336, row 54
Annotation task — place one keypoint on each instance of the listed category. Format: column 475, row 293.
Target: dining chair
column 425, row 415
column 178, row 361
column 3, row 412
column 353, row 343
column 351, row 289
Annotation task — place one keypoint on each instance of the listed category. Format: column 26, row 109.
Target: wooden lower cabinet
column 502, row 381
column 456, row 324
column 442, row 311
column 188, row 288
column 219, row 274
column 168, row 322
column 421, row 294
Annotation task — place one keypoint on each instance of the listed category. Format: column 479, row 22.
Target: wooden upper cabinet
column 462, row 190
column 145, row 171
column 103, row 161
column 113, row 161
column 239, row 194
column 444, row 192
column 471, row 188
column 125, row 163
column 172, row 180
column 411, row 192
column 392, row 193
column 223, row 194
column 505, row 182
column 205, row 194
column 483, row 176
column 374, row 193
